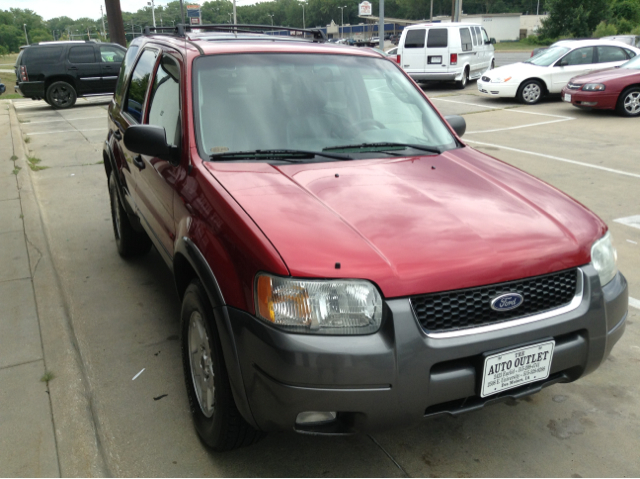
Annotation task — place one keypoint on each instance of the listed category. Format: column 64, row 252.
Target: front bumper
column 589, row 100
column 400, row 375
column 497, row 89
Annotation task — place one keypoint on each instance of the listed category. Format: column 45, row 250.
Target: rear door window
column 134, row 102
column 414, row 39
column 111, row 54
column 82, row 54
column 438, row 38
column 611, row 54
column 465, row 40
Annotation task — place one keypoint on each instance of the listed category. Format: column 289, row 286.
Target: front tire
column 215, row 415
column 61, row 95
column 530, row 92
column 629, row 102
column 129, row 241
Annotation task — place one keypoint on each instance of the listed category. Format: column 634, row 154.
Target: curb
column 78, row 444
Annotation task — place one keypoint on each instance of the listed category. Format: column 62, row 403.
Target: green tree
column 604, row 29
column 11, row 37
column 577, row 19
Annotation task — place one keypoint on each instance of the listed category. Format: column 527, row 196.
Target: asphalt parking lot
column 124, row 316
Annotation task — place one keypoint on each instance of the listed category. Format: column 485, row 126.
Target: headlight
column 319, row 306
column 593, row 87
column 500, row 79
column 603, row 258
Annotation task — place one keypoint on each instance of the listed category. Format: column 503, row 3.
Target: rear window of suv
column 43, row 54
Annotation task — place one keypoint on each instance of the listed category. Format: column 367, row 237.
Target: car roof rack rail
column 181, row 30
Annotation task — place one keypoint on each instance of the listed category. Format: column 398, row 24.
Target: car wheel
column 215, row 415
column 61, row 95
column 629, row 102
column 465, row 79
column 129, row 241
column 530, row 92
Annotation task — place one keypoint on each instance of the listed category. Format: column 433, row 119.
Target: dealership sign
column 193, row 14
column 364, row 9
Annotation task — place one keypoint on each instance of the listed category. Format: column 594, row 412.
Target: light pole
column 104, row 33
column 342, row 16
column 25, row 32
column 271, row 15
column 153, row 12
column 302, row 5
column 229, row 17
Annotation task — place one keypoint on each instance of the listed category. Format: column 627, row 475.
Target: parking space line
column 556, row 158
column 633, row 302
column 512, row 110
column 633, row 221
column 66, row 131
column 65, row 119
column 518, row 127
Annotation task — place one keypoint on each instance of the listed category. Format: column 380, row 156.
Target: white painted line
column 633, row 221
column 505, row 109
column 134, row 377
column 565, row 160
column 518, row 127
column 64, row 119
column 633, row 302
column 632, row 242
column 66, row 131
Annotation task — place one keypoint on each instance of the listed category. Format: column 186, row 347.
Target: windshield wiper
column 381, row 146
column 292, row 156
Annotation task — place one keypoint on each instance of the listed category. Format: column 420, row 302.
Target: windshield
column 633, row 63
column 548, row 56
column 312, row 102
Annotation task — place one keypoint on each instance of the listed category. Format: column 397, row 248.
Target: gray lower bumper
column 434, row 76
column 400, row 375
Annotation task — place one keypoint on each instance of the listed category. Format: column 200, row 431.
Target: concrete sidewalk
column 46, row 423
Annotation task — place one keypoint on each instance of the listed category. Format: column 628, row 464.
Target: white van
column 445, row 51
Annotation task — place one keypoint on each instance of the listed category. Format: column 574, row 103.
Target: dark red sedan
column 615, row 88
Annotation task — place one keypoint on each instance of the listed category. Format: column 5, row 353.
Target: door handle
column 117, row 135
column 137, row 160
column 73, row 68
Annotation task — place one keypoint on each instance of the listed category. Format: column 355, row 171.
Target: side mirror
column 151, row 140
column 458, row 124
column 493, row 41
column 562, row 63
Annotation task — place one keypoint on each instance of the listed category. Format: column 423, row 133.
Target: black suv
column 59, row 72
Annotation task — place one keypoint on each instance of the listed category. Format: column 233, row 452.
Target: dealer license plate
column 567, row 97
column 437, row 60
column 514, row 368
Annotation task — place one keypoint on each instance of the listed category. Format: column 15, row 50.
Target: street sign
column 193, row 14
column 364, row 9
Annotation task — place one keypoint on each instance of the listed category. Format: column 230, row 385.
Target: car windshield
column 270, row 102
column 548, row 56
column 634, row 63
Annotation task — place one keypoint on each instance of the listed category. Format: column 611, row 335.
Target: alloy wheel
column 531, row 93
column 632, row 103
column 61, row 96
column 201, row 363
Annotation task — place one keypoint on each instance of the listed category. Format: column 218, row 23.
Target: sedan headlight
column 603, row 258
column 593, row 87
column 500, row 79
column 319, row 306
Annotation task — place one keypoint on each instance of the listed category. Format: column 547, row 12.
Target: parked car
column 633, row 40
column 344, row 260
column 392, row 54
column 2, row 88
column 395, row 38
column 456, row 52
column 615, row 88
column 60, row 72
column 549, row 71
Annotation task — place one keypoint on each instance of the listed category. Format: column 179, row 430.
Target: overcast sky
column 75, row 9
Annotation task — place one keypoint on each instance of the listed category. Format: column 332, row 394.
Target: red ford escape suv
column 344, row 261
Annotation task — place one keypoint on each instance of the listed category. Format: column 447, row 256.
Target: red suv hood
column 604, row 75
column 413, row 225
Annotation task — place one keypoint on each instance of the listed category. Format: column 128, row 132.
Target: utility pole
column 342, row 20
column 25, row 32
column 235, row 17
column 303, row 16
column 104, row 33
column 153, row 12
column 182, row 10
column 431, row 12
column 381, row 26
column 116, row 26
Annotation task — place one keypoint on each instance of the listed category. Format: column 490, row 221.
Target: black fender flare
column 192, row 254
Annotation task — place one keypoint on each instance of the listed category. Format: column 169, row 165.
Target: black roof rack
column 181, row 30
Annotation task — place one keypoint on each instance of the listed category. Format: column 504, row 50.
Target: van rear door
column 437, row 57
column 413, row 57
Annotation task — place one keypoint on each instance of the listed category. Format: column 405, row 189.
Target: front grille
column 487, row 79
column 573, row 86
column 468, row 308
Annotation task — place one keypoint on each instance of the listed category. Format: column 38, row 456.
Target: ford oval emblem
column 506, row 302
